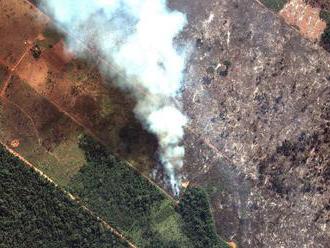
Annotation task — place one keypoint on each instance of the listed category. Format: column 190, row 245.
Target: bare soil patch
column 305, row 18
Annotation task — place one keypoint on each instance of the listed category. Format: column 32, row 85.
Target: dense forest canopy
column 198, row 221
column 35, row 213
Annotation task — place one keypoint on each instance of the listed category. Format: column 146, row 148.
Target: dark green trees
column 34, row 213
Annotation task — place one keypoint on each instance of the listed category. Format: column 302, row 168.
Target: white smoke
column 136, row 37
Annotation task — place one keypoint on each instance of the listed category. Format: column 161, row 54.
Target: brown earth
column 306, row 18
column 257, row 94
column 16, row 29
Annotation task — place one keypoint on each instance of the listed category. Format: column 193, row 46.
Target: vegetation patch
column 322, row 4
column 3, row 73
column 325, row 38
column 126, row 199
column 275, row 5
column 34, row 213
column 52, row 36
column 199, row 226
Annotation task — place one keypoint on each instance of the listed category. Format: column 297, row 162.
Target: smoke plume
column 136, row 38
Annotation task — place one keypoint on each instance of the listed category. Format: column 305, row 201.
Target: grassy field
column 47, row 137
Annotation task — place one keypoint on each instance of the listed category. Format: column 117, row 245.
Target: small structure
column 36, row 51
column 15, row 143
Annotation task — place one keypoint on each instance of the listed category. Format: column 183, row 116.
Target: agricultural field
column 76, row 86
column 38, row 131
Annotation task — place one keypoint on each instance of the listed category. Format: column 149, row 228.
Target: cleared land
column 45, row 136
column 275, row 92
column 16, row 29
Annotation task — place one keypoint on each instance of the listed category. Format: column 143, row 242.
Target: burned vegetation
column 301, row 167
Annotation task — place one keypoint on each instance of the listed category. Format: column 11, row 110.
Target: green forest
column 275, row 5
column 35, row 213
column 198, row 222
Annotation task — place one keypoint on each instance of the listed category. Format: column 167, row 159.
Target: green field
column 137, row 208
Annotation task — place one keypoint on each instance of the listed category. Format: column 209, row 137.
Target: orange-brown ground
column 305, row 18
column 53, row 98
column 16, row 18
column 73, row 86
column 77, row 87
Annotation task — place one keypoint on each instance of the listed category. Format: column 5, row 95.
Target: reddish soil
column 305, row 18
column 28, row 24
